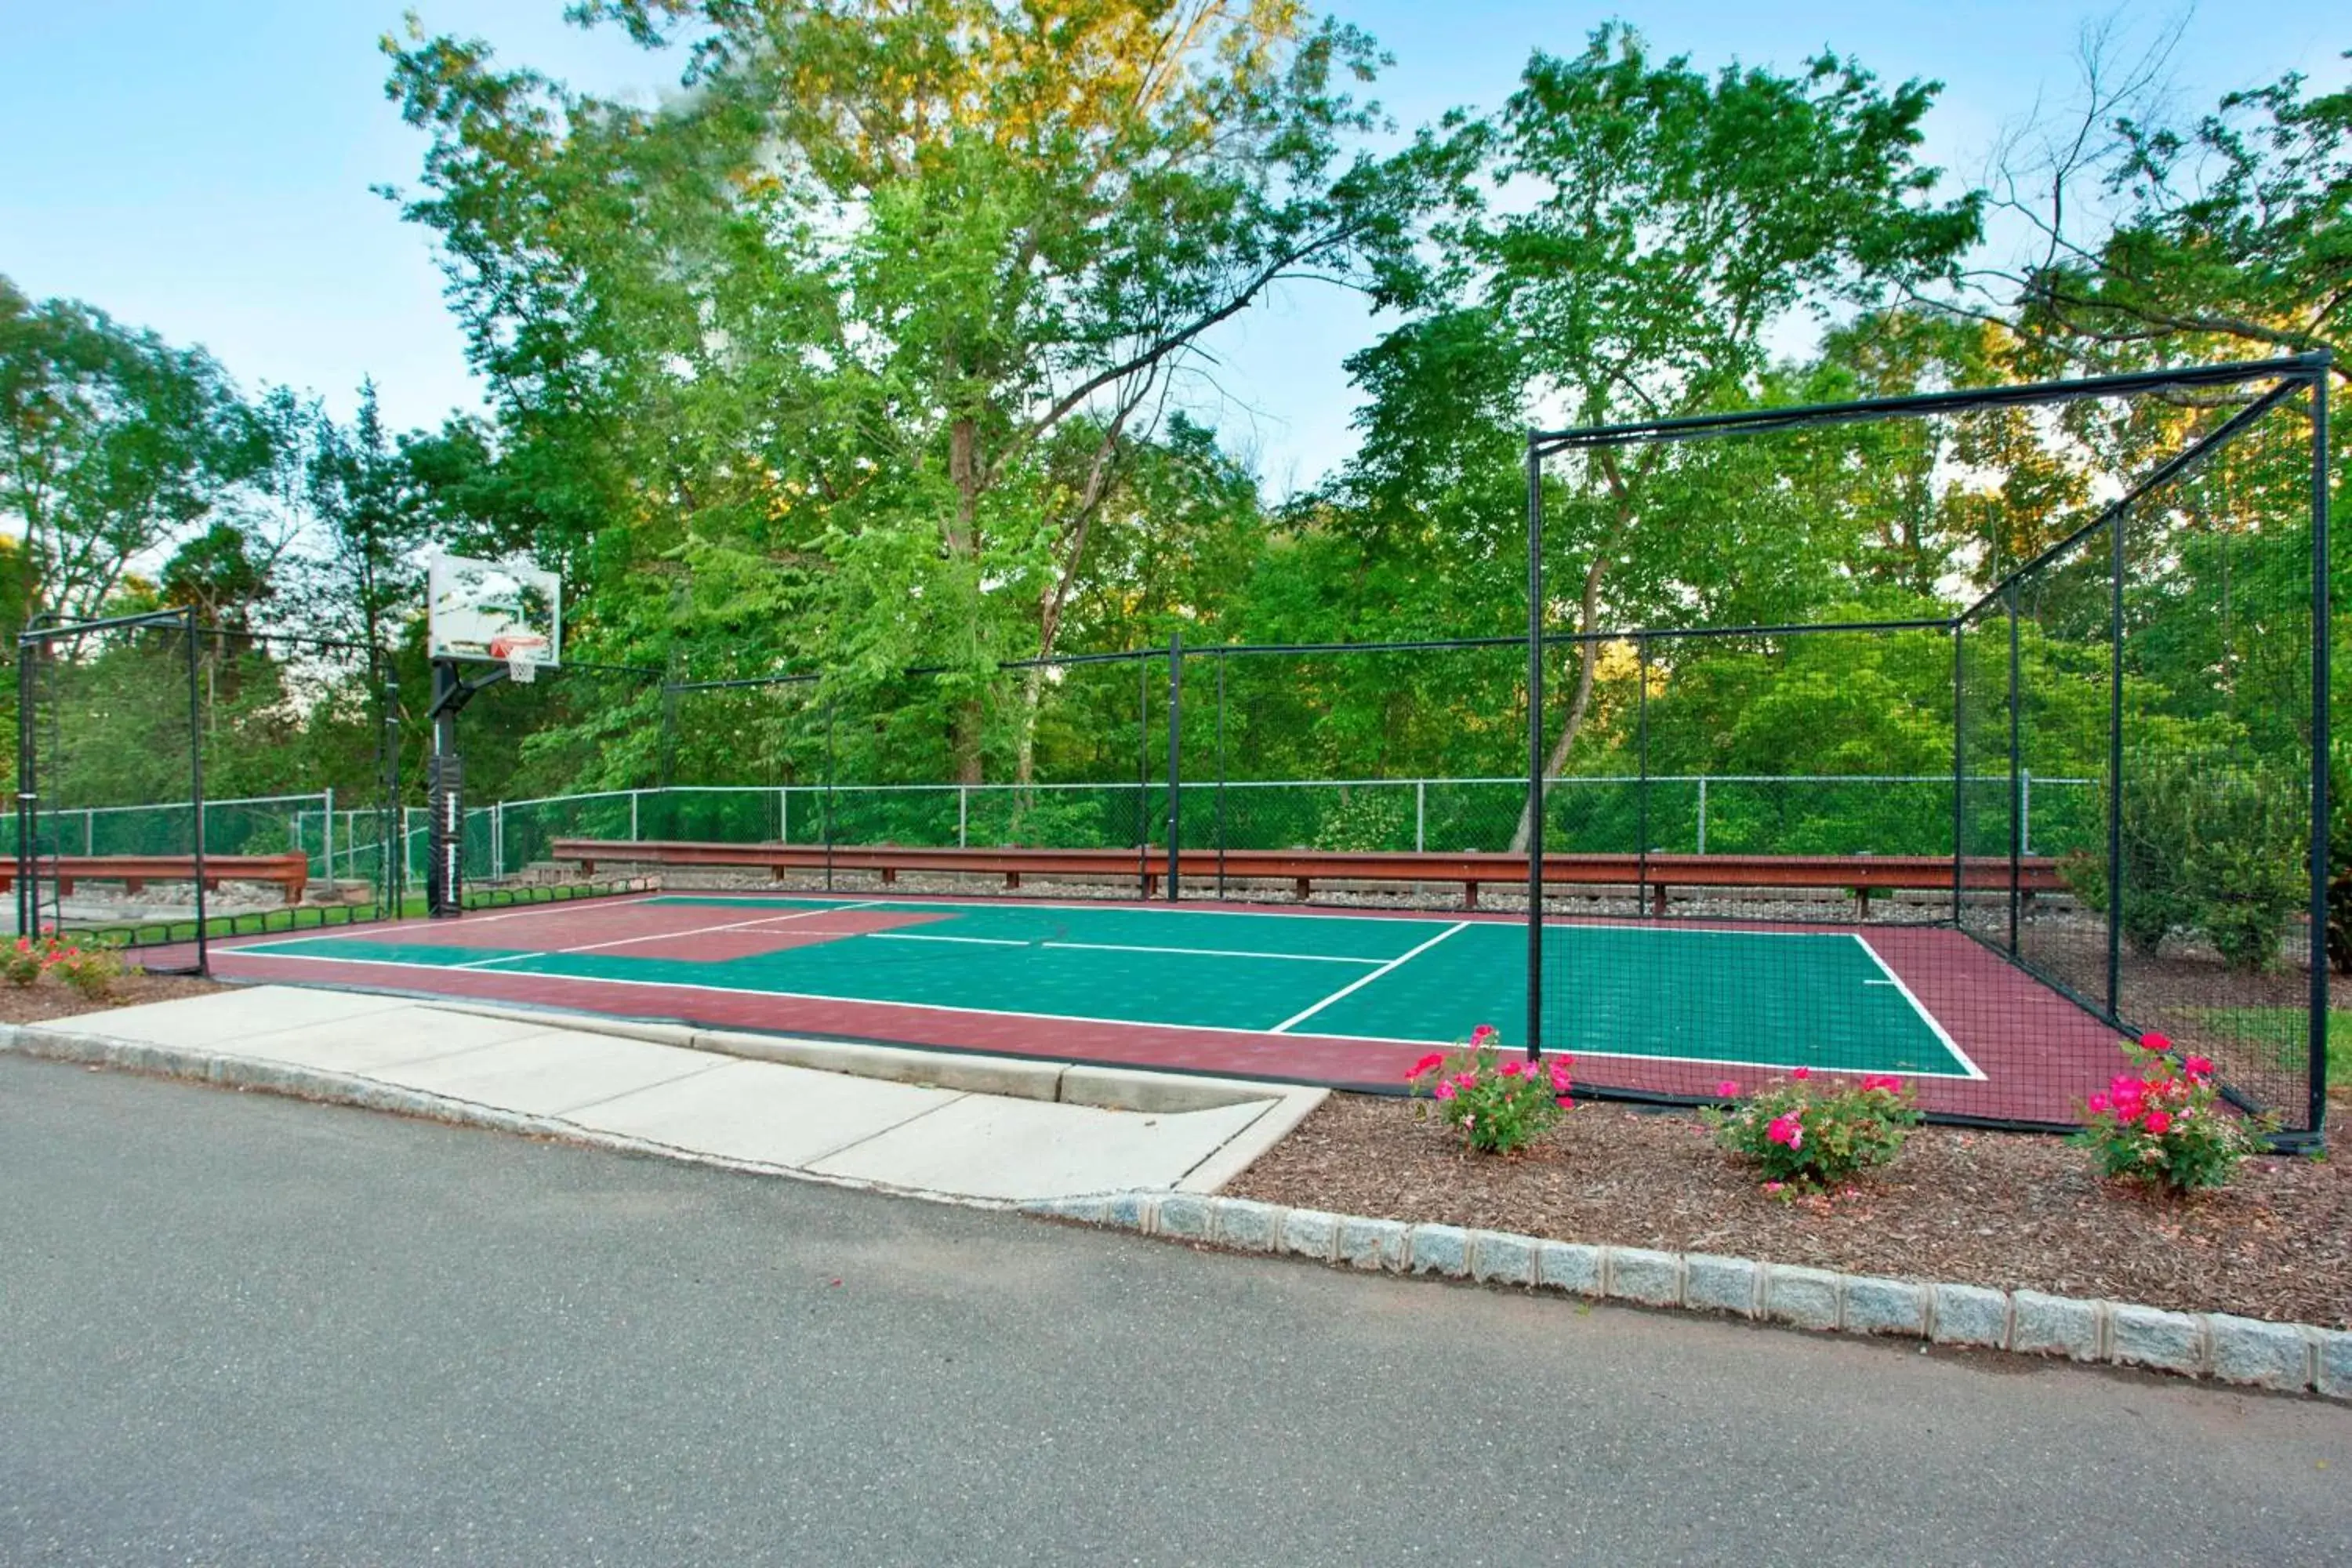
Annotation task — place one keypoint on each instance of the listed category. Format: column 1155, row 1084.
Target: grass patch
column 2277, row 1033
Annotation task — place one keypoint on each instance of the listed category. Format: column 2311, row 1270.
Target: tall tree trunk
column 1050, row 608
column 964, row 548
column 1588, row 657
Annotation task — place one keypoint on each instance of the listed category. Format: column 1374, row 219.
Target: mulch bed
column 1984, row 1208
column 51, row 998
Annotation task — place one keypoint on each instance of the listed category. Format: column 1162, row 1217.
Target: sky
column 204, row 167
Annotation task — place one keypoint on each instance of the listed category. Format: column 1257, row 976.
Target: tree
column 1672, row 220
column 896, row 291
column 112, row 443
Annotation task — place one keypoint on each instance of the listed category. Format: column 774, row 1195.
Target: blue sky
column 203, row 166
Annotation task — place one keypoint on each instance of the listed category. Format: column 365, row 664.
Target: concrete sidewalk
column 994, row 1129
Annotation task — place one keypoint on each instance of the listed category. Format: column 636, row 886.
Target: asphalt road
column 239, row 1330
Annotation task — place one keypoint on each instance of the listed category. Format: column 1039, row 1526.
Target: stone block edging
column 2292, row 1358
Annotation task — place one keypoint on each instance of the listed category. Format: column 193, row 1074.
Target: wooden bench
column 290, row 871
column 1655, row 875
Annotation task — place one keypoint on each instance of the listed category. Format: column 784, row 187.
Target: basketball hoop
column 523, row 652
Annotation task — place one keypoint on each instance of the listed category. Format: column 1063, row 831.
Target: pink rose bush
column 91, row 971
column 1802, row 1135
column 1498, row 1106
column 2164, row 1124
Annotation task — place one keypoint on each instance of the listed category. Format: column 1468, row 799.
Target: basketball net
column 522, row 665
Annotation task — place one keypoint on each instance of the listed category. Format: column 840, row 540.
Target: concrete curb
column 2292, row 1358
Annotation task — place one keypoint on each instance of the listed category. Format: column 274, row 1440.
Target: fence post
column 2025, row 811
column 1702, row 813
column 2016, row 772
column 963, row 813
column 497, row 839
column 328, row 836
column 89, row 833
column 1175, row 754
column 1420, row 815
column 783, row 814
column 633, row 816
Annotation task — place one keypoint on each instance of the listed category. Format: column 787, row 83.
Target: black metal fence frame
column 46, row 629
column 2288, row 378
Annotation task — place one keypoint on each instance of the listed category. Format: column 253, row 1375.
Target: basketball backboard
column 494, row 609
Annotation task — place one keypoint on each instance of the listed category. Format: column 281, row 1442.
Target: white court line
column 1396, row 962
column 1022, row 1012
column 1215, row 952
column 349, row 932
column 1925, row 1018
column 654, row 936
column 1118, row 947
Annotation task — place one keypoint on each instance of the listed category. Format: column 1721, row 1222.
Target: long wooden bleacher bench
column 290, row 871
column 1863, row 875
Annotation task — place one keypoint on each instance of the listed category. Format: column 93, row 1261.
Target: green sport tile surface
column 1681, row 994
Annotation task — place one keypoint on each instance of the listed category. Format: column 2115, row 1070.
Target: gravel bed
column 2002, row 1210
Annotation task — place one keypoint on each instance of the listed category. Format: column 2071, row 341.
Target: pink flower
column 1482, row 1034
column 2154, row 1042
column 1427, row 1064
column 1726, row 1089
column 1511, row 1070
column 1444, row 1091
column 1467, row 1079
column 1802, row 1073
column 1564, row 1102
column 2095, row 1104
column 2198, row 1066
column 1560, row 1076
column 1787, row 1130
column 2158, row 1122
column 1774, row 1186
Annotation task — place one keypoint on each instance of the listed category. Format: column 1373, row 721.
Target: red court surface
column 2030, row 1054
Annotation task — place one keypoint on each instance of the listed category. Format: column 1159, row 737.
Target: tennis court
column 1343, row 998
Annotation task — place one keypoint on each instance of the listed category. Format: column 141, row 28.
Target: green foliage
column 2212, row 843
column 2163, row 1124
column 1497, row 1106
column 113, row 444
column 1797, row 1133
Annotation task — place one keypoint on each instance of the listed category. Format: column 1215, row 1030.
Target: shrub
column 1498, row 1106
column 1797, row 1135
column 2209, row 843
column 25, row 961
column 90, row 970
column 2165, row 1124
column 2244, row 861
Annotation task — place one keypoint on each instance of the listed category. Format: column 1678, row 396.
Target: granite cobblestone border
column 2292, row 1358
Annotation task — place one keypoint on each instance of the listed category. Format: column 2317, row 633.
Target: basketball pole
column 444, row 866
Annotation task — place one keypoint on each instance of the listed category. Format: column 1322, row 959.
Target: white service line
column 660, row 936
column 1399, row 960
column 350, row 933
column 1116, row 947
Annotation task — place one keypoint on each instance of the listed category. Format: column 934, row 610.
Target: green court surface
column 1680, row 993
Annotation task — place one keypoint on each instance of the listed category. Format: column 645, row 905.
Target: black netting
column 128, row 725
column 1978, row 852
